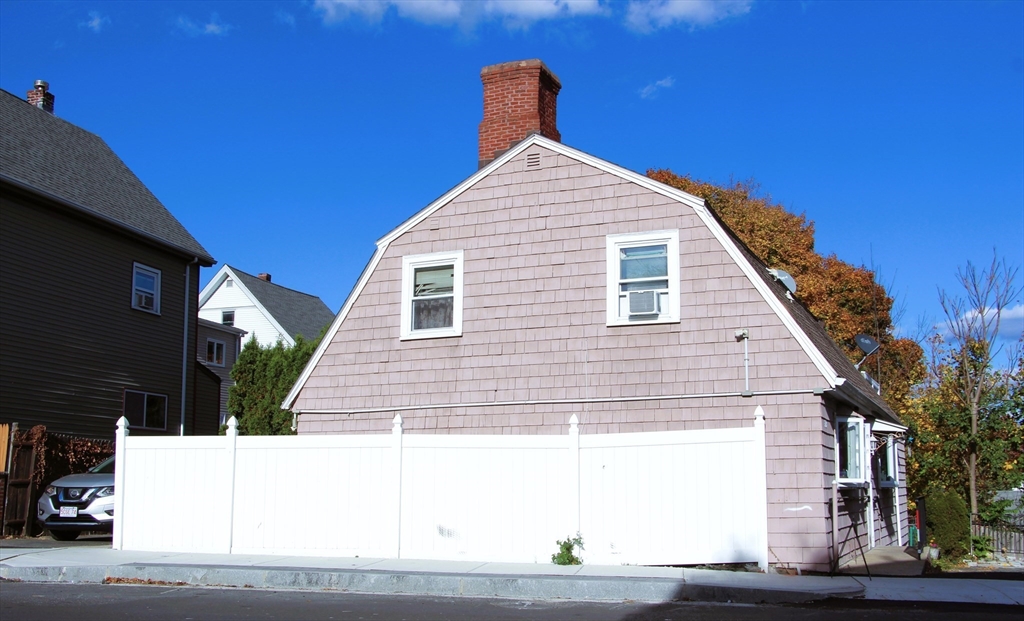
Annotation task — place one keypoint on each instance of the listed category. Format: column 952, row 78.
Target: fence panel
column 176, row 494
column 500, row 498
column 323, row 495
column 1004, row 540
column 670, row 498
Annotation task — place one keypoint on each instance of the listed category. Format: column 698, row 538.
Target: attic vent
column 643, row 302
column 229, row 283
column 533, row 160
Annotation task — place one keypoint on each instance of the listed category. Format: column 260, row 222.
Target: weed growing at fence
column 566, row 551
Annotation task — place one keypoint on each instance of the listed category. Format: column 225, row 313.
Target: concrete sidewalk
column 464, row 578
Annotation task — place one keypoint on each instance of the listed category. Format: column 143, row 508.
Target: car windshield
column 105, row 467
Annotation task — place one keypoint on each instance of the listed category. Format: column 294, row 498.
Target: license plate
column 69, row 511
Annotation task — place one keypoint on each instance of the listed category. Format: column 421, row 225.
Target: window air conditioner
column 643, row 302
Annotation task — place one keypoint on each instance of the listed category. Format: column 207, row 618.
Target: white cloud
column 1011, row 326
column 646, row 16
column 652, row 89
column 96, row 22
column 284, row 17
column 213, row 27
column 513, row 13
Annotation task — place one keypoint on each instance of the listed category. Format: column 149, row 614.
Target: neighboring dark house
column 267, row 311
column 219, row 346
column 98, row 287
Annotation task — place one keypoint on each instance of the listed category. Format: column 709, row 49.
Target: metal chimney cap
column 42, row 85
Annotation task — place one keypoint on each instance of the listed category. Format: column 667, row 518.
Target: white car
column 79, row 502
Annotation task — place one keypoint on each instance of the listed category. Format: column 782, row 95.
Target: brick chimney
column 264, row 276
column 40, row 96
column 519, row 100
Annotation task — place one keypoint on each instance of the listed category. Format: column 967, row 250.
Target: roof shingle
column 49, row 154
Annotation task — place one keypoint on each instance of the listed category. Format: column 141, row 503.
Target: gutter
column 184, row 348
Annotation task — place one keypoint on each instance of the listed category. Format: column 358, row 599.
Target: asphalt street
column 85, row 602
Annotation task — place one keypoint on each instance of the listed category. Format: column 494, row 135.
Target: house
column 98, row 287
column 553, row 286
column 267, row 311
column 218, row 348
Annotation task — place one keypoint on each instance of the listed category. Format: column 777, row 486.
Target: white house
column 267, row 311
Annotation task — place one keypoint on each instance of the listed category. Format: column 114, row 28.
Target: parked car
column 79, row 502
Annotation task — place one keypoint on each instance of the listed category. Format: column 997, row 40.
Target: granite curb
column 707, row 588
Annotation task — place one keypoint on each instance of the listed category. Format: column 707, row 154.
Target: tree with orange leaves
column 843, row 296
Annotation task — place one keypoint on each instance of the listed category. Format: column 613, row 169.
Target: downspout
column 184, row 343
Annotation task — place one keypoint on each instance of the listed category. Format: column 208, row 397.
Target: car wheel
column 65, row 535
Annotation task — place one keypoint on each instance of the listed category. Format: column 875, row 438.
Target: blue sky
column 289, row 136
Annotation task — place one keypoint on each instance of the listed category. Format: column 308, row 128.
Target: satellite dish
column 787, row 281
column 867, row 345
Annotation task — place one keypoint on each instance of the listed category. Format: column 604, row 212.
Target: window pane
column 156, row 406
column 227, row 318
column 145, row 281
column 643, row 262
column 218, row 356
column 646, row 285
column 432, row 313
column 434, row 281
column 135, row 408
column 849, row 450
column 211, row 351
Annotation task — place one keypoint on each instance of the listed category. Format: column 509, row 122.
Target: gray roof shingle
column 297, row 312
column 51, row 155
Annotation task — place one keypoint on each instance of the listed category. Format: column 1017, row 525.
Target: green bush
column 566, row 555
column 949, row 524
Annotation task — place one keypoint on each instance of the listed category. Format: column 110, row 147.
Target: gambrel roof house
column 553, row 284
column 98, row 286
column 267, row 311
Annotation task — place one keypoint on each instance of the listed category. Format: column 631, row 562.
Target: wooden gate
column 18, row 513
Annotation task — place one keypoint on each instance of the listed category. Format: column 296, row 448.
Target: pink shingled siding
column 534, row 329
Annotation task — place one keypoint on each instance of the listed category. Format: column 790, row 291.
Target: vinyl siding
column 70, row 342
column 230, row 355
column 247, row 316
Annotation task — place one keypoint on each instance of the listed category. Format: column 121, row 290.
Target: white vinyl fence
column 673, row 497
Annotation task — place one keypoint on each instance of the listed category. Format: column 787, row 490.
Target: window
column 215, row 352
column 885, row 457
column 432, row 295
column 850, row 449
column 227, row 318
column 145, row 410
column 146, row 289
column 643, row 278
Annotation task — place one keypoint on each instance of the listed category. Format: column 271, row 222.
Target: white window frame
column 889, row 476
column 223, row 352
column 862, row 436
column 138, row 268
column 409, row 266
column 629, row 240
column 145, row 408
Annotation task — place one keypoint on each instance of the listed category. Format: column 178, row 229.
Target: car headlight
column 51, row 490
column 105, row 491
